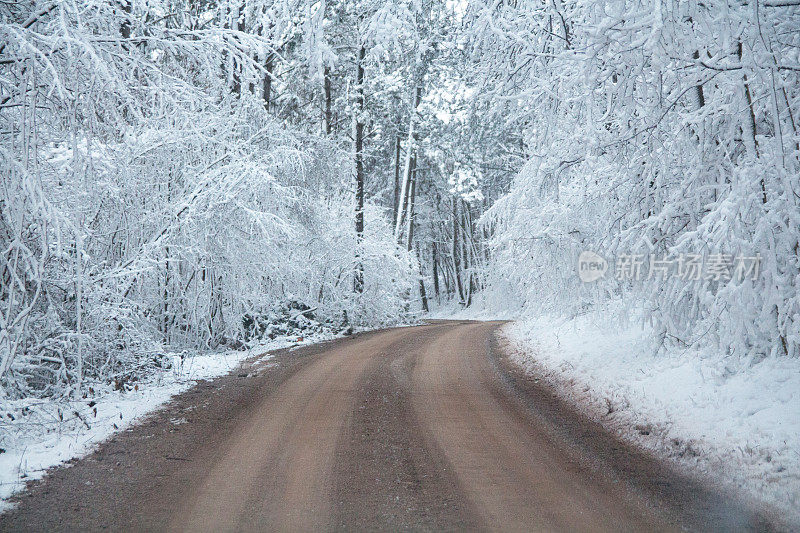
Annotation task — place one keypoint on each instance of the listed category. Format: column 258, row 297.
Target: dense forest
column 198, row 174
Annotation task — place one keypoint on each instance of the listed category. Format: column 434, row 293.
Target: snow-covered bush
column 656, row 128
column 145, row 204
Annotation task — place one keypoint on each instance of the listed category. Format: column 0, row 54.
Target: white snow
column 736, row 420
column 46, row 433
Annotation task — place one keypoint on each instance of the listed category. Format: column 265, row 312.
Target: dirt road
column 422, row 428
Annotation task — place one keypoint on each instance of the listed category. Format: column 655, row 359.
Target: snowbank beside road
column 37, row 434
column 738, row 420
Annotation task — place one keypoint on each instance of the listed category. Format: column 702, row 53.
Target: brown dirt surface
column 419, row 428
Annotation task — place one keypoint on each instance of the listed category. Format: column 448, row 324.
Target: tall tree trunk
column 125, row 29
column 698, row 89
column 216, row 319
column 410, row 237
column 165, row 298
column 469, row 259
column 410, row 210
column 266, row 89
column 751, row 122
column 238, row 68
column 396, row 179
column 359, row 156
column 435, row 270
column 410, row 150
column 423, row 295
column 457, row 252
column 269, row 66
column 251, row 85
column 326, row 83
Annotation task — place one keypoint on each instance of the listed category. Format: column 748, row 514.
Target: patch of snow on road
column 38, row 434
column 738, row 420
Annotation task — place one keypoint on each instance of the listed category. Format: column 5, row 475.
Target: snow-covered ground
column 737, row 420
column 38, row 434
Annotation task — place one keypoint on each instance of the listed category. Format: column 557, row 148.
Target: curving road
column 421, row 428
